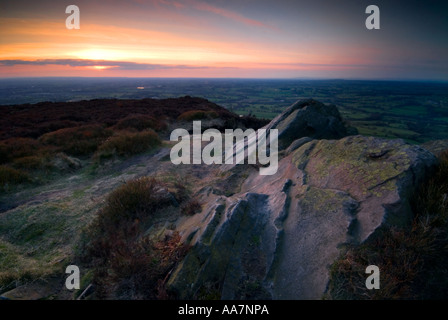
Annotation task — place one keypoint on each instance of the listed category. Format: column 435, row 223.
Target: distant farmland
column 415, row 111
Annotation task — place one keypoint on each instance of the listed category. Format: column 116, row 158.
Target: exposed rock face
column 309, row 118
column 300, row 123
column 276, row 237
column 380, row 174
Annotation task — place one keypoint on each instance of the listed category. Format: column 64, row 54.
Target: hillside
column 34, row 120
column 91, row 183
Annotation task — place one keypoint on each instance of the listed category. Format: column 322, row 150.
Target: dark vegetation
column 37, row 140
column 33, row 121
column 77, row 141
column 140, row 122
column 413, row 262
column 197, row 115
column 124, row 143
column 126, row 262
column 10, row 176
column 191, row 207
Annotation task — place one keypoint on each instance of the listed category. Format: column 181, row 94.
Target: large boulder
column 309, row 118
column 301, row 122
column 276, row 237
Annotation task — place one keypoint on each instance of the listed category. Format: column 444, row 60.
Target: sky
column 225, row 39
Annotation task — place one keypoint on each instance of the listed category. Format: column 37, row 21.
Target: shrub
column 50, row 126
column 126, row 263
column 30, row 162
column 140, row 122
column 136, row 199
column 126, row 143
column 191, row 207
column 13, row 148
column 78, row 141
column 138, row 268
column 197, row 115
column 10, row 176
column 432, row 199
column 399, row 255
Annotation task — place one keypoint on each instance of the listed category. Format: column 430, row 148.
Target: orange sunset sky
column 239, row 39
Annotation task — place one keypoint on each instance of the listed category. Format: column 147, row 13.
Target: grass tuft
column 77, row 141
column 14, row 148
column 128, row 264
column 125, row 143
column 191, row 207
column 12, row 177
column 35, row 162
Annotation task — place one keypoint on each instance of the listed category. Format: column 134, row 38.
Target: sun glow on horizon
column 102, row 54
column 100, row 67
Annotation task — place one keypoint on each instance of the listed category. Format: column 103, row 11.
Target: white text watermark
column 238, row 145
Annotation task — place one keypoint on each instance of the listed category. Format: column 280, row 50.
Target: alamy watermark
column 373, row 21
column 238, row 145
column 73, row 280
column 73, row 21
column 373, row 280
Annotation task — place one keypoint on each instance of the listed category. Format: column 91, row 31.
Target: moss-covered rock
column 277, row 235
column 378, row 173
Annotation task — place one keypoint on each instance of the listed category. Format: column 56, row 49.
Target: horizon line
column 236, row 78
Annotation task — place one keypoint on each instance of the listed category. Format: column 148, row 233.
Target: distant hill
column 34, row 120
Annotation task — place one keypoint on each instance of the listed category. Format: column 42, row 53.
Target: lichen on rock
column 327, row 193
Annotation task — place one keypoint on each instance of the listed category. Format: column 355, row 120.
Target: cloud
column 207, row 7
column 227, row 14
column 116, row 65
column 127, row 65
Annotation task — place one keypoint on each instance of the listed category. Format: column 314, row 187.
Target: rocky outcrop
column 276, row 237
column 380, row 174
column 301, row 122
column 309, row 118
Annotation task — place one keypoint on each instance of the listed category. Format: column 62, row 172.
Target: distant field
column 415, row 111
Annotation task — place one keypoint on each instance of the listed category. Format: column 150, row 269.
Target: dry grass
column 197, row 115
column 128, row 264
column 11, row 177
column 125, row 143
column 77, row 141
column 191, row 207
column 25, row 154
column 413, row 262
column 35, row 162
column 140, row 122
column 14, row 148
